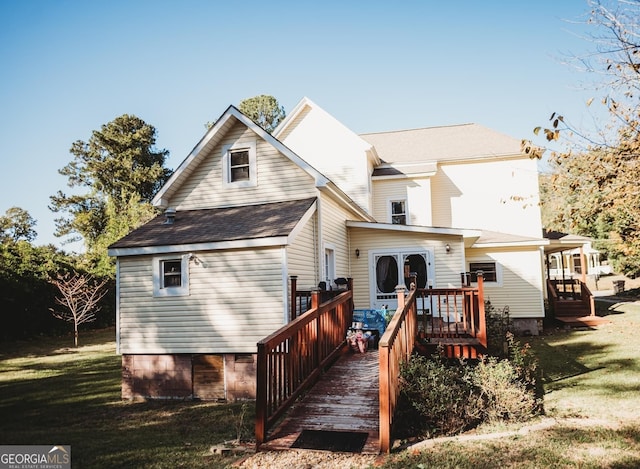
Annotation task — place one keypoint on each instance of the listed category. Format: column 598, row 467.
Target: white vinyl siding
column 235, row 300
column 302, row 256
column 277, row 177
column 521, row 286
column 499, row 196
column 447, row 268
column 416, row 192
column 334, row 234
column 334, row 150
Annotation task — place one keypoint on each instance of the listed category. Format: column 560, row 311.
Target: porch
column 308, row 380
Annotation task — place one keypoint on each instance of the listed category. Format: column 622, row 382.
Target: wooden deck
column 345, row 399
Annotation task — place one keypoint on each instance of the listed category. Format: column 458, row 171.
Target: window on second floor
column 398, row 212
column 239, row 164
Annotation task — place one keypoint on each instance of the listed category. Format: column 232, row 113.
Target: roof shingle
column 219, row 224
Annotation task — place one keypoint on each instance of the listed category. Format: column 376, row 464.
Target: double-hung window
column 171, row 276
column 239, row 168
column 398, row 212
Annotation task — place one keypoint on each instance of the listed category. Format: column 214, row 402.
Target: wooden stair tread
column 454, row 340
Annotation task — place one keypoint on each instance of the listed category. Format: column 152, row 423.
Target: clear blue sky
column 68, row 67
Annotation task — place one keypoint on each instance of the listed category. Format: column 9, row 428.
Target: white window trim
column 182, row 290
column 330, row 267
column 498, row 282
column 226, row 164
column 390, row 213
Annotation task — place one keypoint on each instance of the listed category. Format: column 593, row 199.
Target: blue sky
column 69, row 67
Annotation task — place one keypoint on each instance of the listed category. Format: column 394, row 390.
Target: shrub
column 434, row 396
column 440, row 396
column 498, row 326
column 501, row 394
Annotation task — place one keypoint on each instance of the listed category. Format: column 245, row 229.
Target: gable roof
column 217, row 132
column 442, row 144
column 211, row 139
column 264, row 224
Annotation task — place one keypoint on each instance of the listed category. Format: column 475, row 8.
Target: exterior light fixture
column 447, row 248
column 357, row 252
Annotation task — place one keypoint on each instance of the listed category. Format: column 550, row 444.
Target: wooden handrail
column 290, row 360
column 395, row 347
column 464, row 305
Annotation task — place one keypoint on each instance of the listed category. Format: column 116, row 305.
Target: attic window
column 239, row 164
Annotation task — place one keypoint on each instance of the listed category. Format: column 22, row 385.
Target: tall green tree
column 112, row 173
column 264, row 110
column 592, row 186
column 17, row 224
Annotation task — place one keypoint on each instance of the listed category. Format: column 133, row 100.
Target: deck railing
column 447, row 313
column 291, row 359
column 570, row 290
column 395, row 347
column 453, row 312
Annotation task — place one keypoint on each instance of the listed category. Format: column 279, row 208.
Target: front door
column 390, row 268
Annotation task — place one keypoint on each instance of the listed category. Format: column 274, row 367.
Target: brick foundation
column 184, row 376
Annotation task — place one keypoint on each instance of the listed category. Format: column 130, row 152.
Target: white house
column 200, row 285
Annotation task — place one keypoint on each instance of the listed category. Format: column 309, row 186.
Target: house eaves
column 250, row 226
column 431, row 230
column 493, row 239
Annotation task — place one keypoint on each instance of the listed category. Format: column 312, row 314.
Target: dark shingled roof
column 219, row 224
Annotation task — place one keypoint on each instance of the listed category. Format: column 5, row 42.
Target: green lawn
column 592, row 388
column 51, row 393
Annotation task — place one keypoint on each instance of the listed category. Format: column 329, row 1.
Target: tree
column 80, row 298
column 592, row 188
column 118, row 166
column 16, row 224
column 264, row 110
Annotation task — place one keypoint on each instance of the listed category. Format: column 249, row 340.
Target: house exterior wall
column 332, row 149
column 278, row 178
column 302, row 256
column 500, row 196
column 447, row 267
column 417, row 193
column 521, row 286
column 334, row 235
column 218, row 316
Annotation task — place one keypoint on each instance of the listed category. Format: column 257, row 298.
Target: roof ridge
column 419, row 128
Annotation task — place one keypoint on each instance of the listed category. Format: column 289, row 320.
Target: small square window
column 489, row 271
column 171, row 276
column 398, row 212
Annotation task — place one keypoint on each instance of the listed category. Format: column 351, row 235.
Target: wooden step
column 453, row 347
column 582, row 321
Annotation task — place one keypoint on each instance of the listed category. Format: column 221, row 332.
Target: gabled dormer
column 330, row 147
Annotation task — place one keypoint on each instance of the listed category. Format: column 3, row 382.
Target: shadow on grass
column 558, row 447
column 73, row 398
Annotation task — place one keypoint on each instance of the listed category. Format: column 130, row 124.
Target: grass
column 592, row 387
column 54, row 394
column 51, row 393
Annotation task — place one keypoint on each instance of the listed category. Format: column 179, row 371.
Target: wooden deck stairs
column 573, row 304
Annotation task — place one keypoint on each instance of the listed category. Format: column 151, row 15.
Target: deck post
column 294, row 289
column 482, row 320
